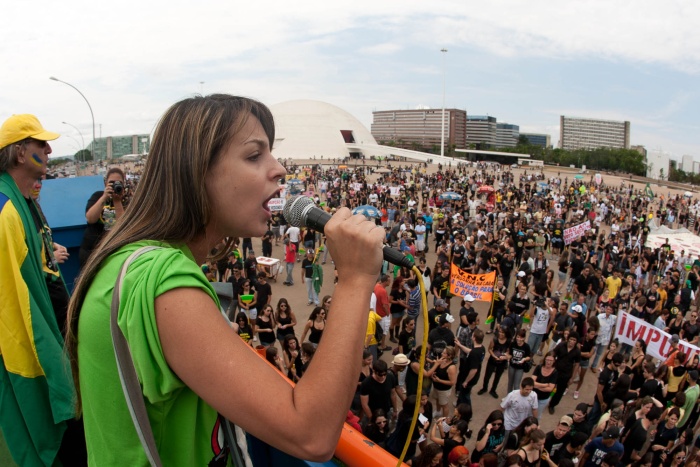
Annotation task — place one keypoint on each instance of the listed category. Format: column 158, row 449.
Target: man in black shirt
column 443, row 331
column 469, row 372
column 267, row 243
column 559, row 436
column 580, row 421
column 521, row 300
column 606, row 379
column 651, row 386
column 576, row 266
column 377, row 391
column 264, row 291
column 581, row 281
column 236, row 279
column 691, row 329
column 507, row 265
column 250, row 266
column 634, row 439
column 568, row 356
column 571, row 450
column 441, row 286
column 458, row 251
column 434, row 314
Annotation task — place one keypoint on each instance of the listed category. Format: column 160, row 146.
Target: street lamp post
column 79, row 132
column 94, row 156
column 442, row 119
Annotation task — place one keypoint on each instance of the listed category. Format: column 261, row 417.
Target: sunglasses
column 380, row 374
column 495, row 424
column 38, row 142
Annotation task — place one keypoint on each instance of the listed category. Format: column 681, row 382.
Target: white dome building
column 308, row 128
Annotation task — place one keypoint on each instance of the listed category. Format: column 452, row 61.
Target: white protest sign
column 628, row 329
column 276, row 204
column 576, row 231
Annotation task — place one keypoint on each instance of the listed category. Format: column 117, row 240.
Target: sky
column 525, row 63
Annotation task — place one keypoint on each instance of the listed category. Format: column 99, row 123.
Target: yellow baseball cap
column 19, row 127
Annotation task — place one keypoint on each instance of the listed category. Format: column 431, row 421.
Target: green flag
column 36, row 388
column 648, row 192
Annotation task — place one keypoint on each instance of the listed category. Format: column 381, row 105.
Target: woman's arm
column 92, row 216
column 433, row 437
column 306, row 330
column 287, row 361
column 269, row 405
column 481, row 444
column 452, row 374
column 294, row 319
column 491, row 346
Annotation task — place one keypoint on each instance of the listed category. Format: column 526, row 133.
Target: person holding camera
column 102, row 211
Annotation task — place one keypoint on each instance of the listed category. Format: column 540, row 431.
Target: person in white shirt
column 543, row 317
column 411, row 204
column 420, row 237
column 519, row 404
column 607, row 322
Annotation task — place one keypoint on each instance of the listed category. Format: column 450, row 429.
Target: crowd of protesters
column 552, row 320
column 553, row 317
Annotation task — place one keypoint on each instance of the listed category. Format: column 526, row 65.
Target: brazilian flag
column 648, row 192
column 37, row 395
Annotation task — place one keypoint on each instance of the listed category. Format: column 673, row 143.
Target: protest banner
column 395, row 190
column 276, row 204
column 480, row 286
column 629, row 329
column 576, row 231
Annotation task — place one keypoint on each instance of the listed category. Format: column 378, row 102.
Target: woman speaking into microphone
column 209, row 176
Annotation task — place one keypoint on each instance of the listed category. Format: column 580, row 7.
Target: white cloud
column 134, row 59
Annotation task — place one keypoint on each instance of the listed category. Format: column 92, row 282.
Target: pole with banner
column 490, row 319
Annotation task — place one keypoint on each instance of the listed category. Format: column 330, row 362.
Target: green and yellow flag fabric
column 648, row 192
column 37, row 395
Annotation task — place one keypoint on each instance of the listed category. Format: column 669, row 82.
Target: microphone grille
column 294, row 210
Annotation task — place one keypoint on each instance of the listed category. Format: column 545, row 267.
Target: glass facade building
column 113, row 147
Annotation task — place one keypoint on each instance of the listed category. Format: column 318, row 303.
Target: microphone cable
column 416, row 410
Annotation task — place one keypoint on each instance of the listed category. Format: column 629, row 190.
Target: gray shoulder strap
column 127, row 372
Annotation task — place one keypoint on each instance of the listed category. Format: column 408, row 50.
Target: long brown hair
column 171, row 204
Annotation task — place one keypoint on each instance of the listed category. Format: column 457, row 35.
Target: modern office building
column 589, row 133
column 538, row 139
column 688, row 163
column 481, row 131
column 507, row 135
column 112, row 147
column 419, row 129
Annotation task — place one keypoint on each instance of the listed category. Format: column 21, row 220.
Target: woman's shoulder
column 164, row 267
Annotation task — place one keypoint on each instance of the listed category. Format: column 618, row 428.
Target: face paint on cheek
column 36, row 160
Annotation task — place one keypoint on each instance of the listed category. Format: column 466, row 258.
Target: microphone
column 303, row 212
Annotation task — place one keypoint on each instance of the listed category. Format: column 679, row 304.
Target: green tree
column 84, row 155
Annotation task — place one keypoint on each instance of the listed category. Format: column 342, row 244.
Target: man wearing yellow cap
column 37, row 396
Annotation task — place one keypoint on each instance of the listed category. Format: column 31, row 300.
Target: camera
column 437, row 349
column 117, row 186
